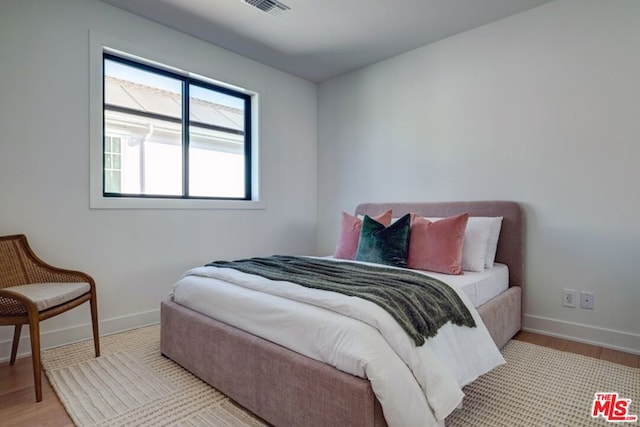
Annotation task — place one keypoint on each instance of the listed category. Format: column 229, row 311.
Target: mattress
column 481, row 286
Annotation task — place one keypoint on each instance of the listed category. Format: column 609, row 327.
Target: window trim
column 101, row 44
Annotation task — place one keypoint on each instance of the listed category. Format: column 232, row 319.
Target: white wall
column 134, row 255
column 541, row 108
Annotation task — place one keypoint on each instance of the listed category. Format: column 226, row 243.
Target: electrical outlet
column 569, row 297
column 587, row 299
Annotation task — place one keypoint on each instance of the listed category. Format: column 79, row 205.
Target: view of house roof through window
column 177, row 137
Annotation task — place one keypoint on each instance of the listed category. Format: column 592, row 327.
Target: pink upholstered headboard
column 511, row 243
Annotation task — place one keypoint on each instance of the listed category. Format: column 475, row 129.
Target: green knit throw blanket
column 419, row 303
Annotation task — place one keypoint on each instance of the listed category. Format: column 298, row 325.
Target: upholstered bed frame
column 288, row 389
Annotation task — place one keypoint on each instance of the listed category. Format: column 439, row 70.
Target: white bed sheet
column 415, row 385
column 480, row 286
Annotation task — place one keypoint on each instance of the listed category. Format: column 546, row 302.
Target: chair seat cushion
column 48, row 295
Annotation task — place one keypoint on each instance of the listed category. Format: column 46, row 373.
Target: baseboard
column 59, row 337
column 609, row 338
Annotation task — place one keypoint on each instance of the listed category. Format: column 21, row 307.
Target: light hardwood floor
column 579, row 348
column 19, row 408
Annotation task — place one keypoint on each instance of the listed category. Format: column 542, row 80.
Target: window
column 170, row 135
column 112, row 162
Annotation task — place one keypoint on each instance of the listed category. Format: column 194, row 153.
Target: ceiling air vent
column 272, row 7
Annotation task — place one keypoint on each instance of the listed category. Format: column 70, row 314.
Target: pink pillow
column 437, row 246
column 350, row 233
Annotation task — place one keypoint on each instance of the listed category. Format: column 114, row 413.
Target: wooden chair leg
column 34, row 332
column 94, row 323
column 14, row 346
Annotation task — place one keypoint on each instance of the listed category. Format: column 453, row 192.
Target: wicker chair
column 32, row 291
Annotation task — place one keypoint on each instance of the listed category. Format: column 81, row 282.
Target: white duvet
column 416, row 386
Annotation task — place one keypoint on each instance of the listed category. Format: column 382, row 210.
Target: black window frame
column 185, row 122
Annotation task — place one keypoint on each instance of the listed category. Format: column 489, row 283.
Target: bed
column 287, row 388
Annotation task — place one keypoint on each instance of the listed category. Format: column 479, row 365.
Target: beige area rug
column 132, row 384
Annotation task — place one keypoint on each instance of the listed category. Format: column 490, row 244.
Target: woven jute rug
column 132, row 384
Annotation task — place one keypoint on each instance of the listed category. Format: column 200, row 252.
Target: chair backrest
column 13, row 271
column 19, row 265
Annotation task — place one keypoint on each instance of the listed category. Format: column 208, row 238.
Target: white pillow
column 495, row 224
column 474, row 249
column 480, row 242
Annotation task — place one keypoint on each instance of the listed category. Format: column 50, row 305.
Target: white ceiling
column 320, row 39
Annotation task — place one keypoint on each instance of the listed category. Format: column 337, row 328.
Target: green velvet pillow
column 384, row 245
